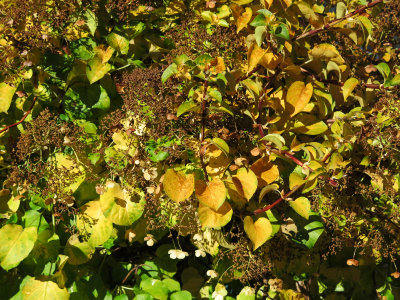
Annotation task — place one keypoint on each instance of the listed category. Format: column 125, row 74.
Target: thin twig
column 22, row 119
column 202, row 129
column 337, row 21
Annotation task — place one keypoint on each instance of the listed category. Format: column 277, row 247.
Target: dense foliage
column 216, row 149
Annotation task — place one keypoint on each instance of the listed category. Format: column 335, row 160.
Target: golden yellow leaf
column 298, row 97
column 211, row 194
column 218, row 161
column 267, row 3
column 258, row 232
column 270, row 60
column 295, row 180
column 245, row 182
column 349, row 86
column 234, row 195
column 265, row 170
column 244, row 19
column 178, row 185
column 302, row 206
column 326, row 52
column 215, row 218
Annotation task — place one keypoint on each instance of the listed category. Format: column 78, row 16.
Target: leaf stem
column 22, row 119
column 337, row 21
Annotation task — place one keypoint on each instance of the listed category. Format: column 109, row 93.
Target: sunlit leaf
column 258, row 232
column 6, row 94
column 349, row 86
column 302, row 206
column 211, row 194
column 245, row 182
column 43, row 290
column 298, row 97
column 178, row 185
column 265, row 171
column 326, row 52
column 16, row 243
column 118, row 42
column 120, row 206
column 96, row 69
column 215, row 218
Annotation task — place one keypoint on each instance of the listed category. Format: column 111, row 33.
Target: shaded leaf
column 245, row 182
column 215, row 218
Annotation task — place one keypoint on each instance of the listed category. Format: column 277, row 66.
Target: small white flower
column 149, row 239
column 197, row 237
column 212, row 274
column 199, row 253
column 179, row 254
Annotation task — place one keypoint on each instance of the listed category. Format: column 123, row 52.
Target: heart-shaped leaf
column 178, row 185
column 298, row 97
column 258, row 232
column 15, row 244
column 302, row 206
column 245, row 182
column 215, row 218
column 211, row 194
column 37, row 290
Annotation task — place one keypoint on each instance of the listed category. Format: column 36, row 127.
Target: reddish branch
column 268, row 207
column 202, row 129
column 22, row 119
column 337, row 21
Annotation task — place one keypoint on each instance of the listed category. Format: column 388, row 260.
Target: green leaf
column 260, row 33
column 6, row 94
column 172, row 285
column 15, row 244
column 181, row 295
column 96, row 69
column 274, row 138
column 186, row 107
column 155, row 287
column 282, row 31
column 214, row 93
column 394, row 81
column 118, row 42
column 78, row 252
column 384, row 69
column 37, row 290
column 259, row 20
column 341, row 9
column 91, row 21
column 168, row 72
column 314, row 230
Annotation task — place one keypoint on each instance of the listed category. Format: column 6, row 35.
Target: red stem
column 336, row 21
column 22, row 119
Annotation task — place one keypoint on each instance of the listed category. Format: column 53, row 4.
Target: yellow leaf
column 326, row 52
column 267, row 3
column 92, row 221
column 211, row 194
column 298, row 97
column 244, row 19
column 218, row 161
column 104, row 53
column 235, row 196
column 349, row 86
column 78, row 252
column 265, row 170
column 258, row 232
column 245, row 182
column 295, row 180
column 302, row 206
column 178, row 185
column 215, row 218
column 126, row 143
column 38, row 289
column 6, row 94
